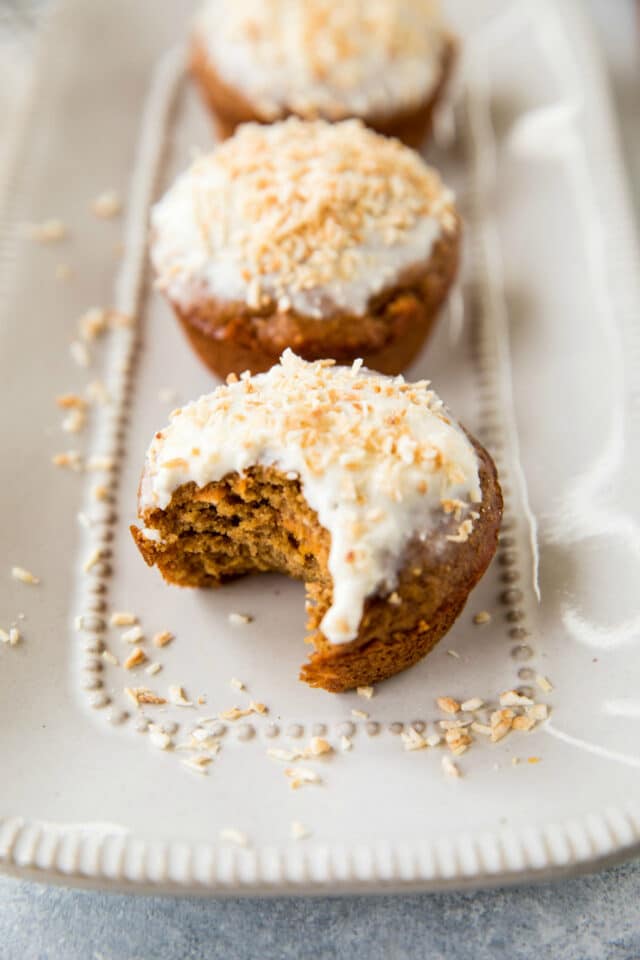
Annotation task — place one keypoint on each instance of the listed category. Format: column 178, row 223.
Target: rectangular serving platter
column 536, row 353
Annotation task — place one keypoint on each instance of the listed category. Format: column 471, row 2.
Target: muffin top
column 379, row 460
column 330, row 58
column 303, row 215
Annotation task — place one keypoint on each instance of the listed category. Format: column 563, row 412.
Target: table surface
column 587, row 918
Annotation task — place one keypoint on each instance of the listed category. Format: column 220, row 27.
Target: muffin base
column 229, row 337
column 229, row 107
column 260, row 521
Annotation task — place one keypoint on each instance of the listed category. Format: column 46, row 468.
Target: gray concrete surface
column 590, row 918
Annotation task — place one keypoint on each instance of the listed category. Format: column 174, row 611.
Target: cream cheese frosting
column 310, row 216
column 331, row 58
column 379, row 460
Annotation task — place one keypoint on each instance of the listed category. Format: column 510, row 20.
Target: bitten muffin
column 358, row 484
column 326, row 238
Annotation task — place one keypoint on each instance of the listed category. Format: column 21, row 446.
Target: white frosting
column 331, row 58
column 315, row 216
column 379, row 461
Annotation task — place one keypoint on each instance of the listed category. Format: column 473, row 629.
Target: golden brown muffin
column 360, row 485
column 230, row 107
column 326, row 238
column 385, row 62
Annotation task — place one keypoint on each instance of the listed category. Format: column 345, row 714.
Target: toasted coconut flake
column 93, row 559
column 450, row 768
column 239, row 619
column 544, row 683
column 234, row 836
column 163, row 638
column 24, row 576
column 317, row 747
column 539, row 711
column 454, row 724
column 346, row 743
column 471, row 705
column 142, row 695
column 15, row 637
column 75, row 421
column 448, row 704
column 458, row 741
column 153, row 669
column 463, row 534
column 299, row 776
column 70, row 401
column 110, row 658
column 360, row 714
column 4, row 636
column 199, row 763
column 93, row 323
column 135, row 659
column 134, row 635
column 482, row 728
column 501, row 716
column 159, row 737
column 534, row 759
column 454, row 654
column 255, row 707
column 366, row 692
column 413, row 740
column 123, row 618
column 236, row 684
column 178, row 696
column 523, row 723
column 235, row 713
column 70, row 458
column 202, row 739
column 511, row 698
column 433, row 740
column 500, row 730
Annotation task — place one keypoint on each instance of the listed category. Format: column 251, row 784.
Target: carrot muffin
column 384, row 61
column 326, row 238
column 358, row 484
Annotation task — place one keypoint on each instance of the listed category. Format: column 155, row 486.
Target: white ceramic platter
column 537, row 354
